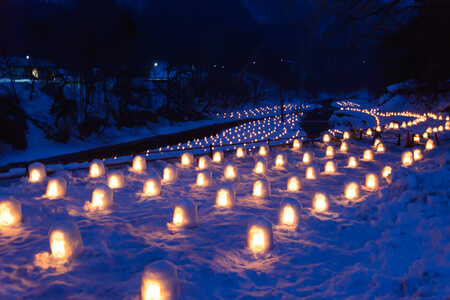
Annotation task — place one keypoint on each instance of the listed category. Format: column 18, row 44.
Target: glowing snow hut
column 259, row 235
column 65, row 240
column 102, row 197
column 185, row 214
column 289, row 212
column 152, row 186
column 10, row 211
column 344, row 146
column 281, row 160
column 230, row 171
column 187, row 159
column 36, row 172
column 429, row 145
column 160, row 281
column 297, row 144
column 96, row 168
column 346, row 135
column 312, row 172
column 56, row 188
column 225, row 196
column 368, row 154
column 418, row 155
column 115, row 179
column 241, row 151
column 330, row 167
column 321, row 201
column 204, row 162
column 352, row 189
column 261, row 188
column 218, row 156
column 170, row 174
column 260, row 166
column 204, row 178
column 329, row 152
column 380, row 148
column 264, row 150
column 372, row 181
column 294, row 183
column 407, row 158
column 139, row 163
column 353, row 161
column 308, row 157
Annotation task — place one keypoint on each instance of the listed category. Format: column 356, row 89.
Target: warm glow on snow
column 407, row 158
column 240, row 152
column 352, row 162
column 296, row 144
column 352, row 191
column 97, row 199
column 222, row 199
column 200, row 179
column 262, row 151
column 279, row 161
column 152, row 290
column 320, row 203
column 58, row 245
column 293, row 185
column 6, row 218
column 52, row 191
column 368, row 154
column 150, row 188
column 259, row 168
column 229, row 172
column 344, row 147
column 137, row 165
column 306, row 158
column 330, row 151
column 386, row 171
column 185, row 160
column 288, row 215
column 217, row 157
column 95, row 171
column 310, row 174
column 329, row 167
column 257, row 239
column 35, row 176
column 257, row 189
column 417, row 154
column 113, row 182
column 178, row 216
column 371, row 181
column 380, row 148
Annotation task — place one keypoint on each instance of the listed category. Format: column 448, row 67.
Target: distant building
column 27, row 68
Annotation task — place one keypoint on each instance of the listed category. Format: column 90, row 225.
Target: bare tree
column 5, row 63
column 371, row 17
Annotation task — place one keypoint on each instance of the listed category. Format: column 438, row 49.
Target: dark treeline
column 216, row 53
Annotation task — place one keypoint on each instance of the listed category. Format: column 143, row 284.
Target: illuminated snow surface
column 392, row 242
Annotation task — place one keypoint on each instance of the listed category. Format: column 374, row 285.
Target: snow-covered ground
column 389, row 242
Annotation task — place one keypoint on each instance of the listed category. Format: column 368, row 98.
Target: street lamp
column 29, row 67
column 154, row 69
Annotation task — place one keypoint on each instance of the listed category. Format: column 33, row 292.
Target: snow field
column 391, row 242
